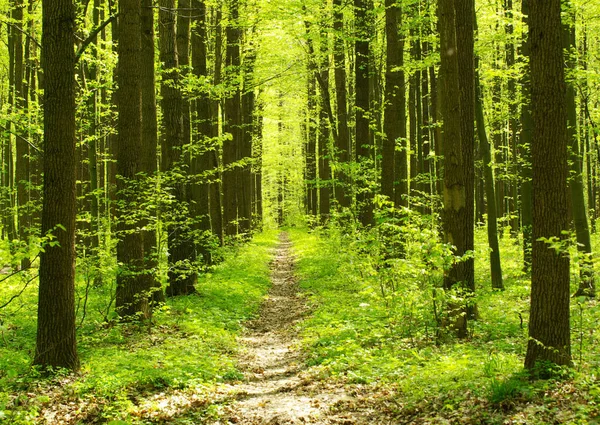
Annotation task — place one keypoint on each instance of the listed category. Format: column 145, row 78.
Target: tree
column 525, row 147
column 465, row 11
column 455, row 187
column 488, row 172
column 342, row 142
column 233, row 122
column 364, row 138
column 577, row 191
column 149, row 140
column 549, row 328
column 132, row 296
column 56, row 344
column 394, row 115
column 202, row 161
column 182, row 274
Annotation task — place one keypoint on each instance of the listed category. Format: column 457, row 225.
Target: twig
column 14, row 297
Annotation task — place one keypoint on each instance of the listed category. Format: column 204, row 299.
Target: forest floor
column 302, row 327
column 277, row 388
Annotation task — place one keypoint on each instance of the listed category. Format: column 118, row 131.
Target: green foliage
column 373, row 322
column 191, row 342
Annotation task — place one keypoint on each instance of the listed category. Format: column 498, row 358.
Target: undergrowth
column 190, row 343
column 377, row 322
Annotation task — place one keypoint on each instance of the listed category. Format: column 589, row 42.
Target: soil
column 277, row 388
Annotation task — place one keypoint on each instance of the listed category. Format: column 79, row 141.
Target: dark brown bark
column 342, row 142
column 549, row 328
column 232, row 124
column 364, row 138
column 21, row 145
column 56, row 342
column 454, row 190
column 465, row 11
column 324, row 180
column 132, row 296
column 488, row 173
column 311, row 149
column 182, row 273
column 245, row 145
column 201, row 168
column 394, row 100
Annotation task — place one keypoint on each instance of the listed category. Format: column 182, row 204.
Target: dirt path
column 276, row 390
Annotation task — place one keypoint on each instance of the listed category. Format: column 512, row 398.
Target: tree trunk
column 394, row 99
column 488, row 172
column 132, row 290
column 216, row 212
column 232, row 124
column 323, row 141
column 454, row 212
column 342, row 143
column 364, row 143
column 149, row 144
column 549, row 328
column 56, row 344
column 201, row 168
column 465, row 11
column 182, row 273
column 245, row 146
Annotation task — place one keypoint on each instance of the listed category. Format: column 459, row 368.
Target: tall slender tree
column 149, row 141
column 182, row 273
column 132, row 286
column 342, row 142
column 56, row 345
column 233, row 122
column 364, row 138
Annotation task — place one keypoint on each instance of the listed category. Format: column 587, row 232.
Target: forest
column 299, row 211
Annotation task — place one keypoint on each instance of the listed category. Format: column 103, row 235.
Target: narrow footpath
column 277, row 389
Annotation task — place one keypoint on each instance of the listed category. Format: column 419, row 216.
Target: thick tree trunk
column 549, row 328
column 56, row 343
column 454, row 191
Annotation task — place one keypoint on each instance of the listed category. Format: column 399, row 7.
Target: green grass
column 359, row 333
column 191, row 343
